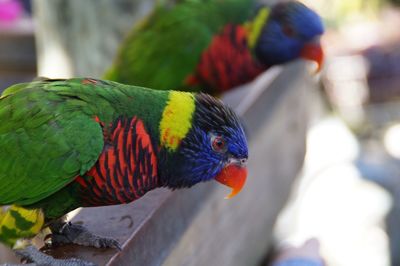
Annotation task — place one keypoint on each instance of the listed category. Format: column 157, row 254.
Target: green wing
column 46, row 140
column 165, row 48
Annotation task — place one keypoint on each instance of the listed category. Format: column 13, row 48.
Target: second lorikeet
column 84, row 142
column 215, row 45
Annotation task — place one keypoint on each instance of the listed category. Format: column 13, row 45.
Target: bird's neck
column 135, row 160
column 227, row 62
column 176, row 123
column 126, row 169
column 254, row 27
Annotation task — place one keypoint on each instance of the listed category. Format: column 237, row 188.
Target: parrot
column 84, row 142
column 215, row 45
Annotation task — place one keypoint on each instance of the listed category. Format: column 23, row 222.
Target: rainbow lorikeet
column 215, row 45
column 84, row 142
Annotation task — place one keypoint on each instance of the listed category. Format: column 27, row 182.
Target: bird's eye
column 288, row 30
column 218, row 144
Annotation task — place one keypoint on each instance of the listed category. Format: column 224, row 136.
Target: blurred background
column 348, row 193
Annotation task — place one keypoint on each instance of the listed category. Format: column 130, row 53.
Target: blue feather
column 291, row 25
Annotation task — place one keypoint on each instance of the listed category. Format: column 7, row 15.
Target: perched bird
column 215, row 45
column 84, row 142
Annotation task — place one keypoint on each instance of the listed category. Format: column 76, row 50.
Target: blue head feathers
column 215, row 141
column 291, row 31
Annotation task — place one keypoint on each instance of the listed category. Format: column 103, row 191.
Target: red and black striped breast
column 125, row 170
column 226, row 63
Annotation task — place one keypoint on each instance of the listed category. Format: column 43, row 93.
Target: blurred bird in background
column 214, row 46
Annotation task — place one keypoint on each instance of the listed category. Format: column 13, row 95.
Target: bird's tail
column 17, row 223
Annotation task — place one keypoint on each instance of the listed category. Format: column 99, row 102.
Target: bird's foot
column 36, row 258
column 67, row 233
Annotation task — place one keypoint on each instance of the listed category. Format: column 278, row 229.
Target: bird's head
column 288, row 31
column 214, row 146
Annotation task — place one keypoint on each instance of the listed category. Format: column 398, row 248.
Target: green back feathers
column 164, row 49
column 45, row 143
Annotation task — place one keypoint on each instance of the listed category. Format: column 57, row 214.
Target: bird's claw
column 78, row 234
column 108, row 243
column 36, row 258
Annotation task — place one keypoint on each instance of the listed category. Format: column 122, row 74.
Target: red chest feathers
column 226, row 63
column 125, row 170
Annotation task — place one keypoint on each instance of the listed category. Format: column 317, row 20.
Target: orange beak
column 233, row 176
column 313, row 51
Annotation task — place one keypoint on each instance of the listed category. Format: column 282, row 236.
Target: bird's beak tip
column 313, row 52
column 233, row 176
